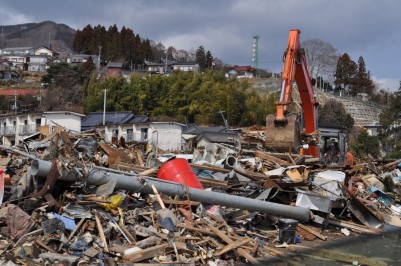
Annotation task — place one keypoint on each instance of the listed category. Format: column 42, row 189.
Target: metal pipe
column 143, row 184
column 227, row 163
column 139, row 183
column 41, row 168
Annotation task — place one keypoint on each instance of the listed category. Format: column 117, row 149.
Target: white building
column 166, row 136
column 14, row 128
column 43, row 50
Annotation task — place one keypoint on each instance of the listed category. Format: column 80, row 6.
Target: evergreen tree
column 393, row 111
column 362, row 82
column 345, row 72
column 209, row 59
column 200, row 57
column 334, row 111
column 365, row 145
column 99, row 37
column 113, row 51
column 147, row 53
column 83, row 42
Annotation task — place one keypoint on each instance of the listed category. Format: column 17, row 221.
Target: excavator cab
column 333, row 148
column 284, row 130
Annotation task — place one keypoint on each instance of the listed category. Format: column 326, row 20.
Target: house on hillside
column 39, row 63
column 114, row 69
column 43, row 50
column 21, row 51
column 159, row 68
column 373, row 128
column 245, row 71
column 17, row 61
column 163, row 68
column 230, row 72
column 186, row 67
column 77, row 59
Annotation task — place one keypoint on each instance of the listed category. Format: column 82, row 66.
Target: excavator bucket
column 282, row 137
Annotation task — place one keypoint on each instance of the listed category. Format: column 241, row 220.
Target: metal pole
column 143, row 184
column 137, row 183
column 104, row 107
column 165, row 72
column 98, row 61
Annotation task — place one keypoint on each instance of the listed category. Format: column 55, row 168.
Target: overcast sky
column 367, row 28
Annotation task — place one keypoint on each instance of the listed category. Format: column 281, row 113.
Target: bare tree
column 321, row 58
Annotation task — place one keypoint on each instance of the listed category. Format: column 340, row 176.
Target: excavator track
column 282, row 137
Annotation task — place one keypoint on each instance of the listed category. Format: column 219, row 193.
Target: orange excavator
column 285, row 131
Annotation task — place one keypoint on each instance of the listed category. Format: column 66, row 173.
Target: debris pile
column 76, row 200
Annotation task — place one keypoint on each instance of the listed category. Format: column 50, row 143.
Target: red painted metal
column 178, row 170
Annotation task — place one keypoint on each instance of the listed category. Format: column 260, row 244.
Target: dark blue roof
column 94, row 119
column 138, row 119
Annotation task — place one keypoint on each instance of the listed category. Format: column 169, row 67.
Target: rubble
column 76, row 200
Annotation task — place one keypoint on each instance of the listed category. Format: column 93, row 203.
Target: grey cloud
column 365, row 28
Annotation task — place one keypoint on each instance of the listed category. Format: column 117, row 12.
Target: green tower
column 255, row 51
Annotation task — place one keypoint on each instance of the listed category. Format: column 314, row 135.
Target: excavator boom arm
column 279, row 126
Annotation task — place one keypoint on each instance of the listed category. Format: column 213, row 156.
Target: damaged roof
column 220, row 137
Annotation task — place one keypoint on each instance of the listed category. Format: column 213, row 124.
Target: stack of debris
column 75, row 200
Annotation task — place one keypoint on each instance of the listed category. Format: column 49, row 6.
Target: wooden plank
column 181, row 202
column 210, row 168
column 145, row 254
column 207, row 239
column 250, row 175
column 273, row 251
column 101, row 232
column 356, row 227
column 199, row 230
column 220, row 234
column 313, row 232
column 43, row 245
column 232, row 246
column 269, row 157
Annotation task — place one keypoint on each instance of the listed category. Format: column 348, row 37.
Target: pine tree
column 209, row 59
column 345, row 72
column 83, row 41
column 362, row 82
column 200, row 57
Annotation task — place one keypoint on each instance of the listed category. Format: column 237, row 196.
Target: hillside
column 37, row 34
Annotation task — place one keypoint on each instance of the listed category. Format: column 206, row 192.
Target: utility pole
column 224, row 119
column 104, row 107
column 15, row 102
column 98, row 61
column 165, row 72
